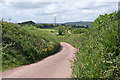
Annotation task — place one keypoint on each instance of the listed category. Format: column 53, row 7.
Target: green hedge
column 79, row 31
column 98, row 54
column 25, row 45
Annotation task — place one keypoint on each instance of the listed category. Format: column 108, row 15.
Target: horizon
column 64, row 22
column 48, row 22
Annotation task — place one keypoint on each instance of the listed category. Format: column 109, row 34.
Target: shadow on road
column 61, row 47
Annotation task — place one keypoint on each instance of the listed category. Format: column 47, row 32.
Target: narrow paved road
column 55, row 66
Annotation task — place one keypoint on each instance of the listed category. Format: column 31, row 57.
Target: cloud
column 26, row 5
column 64, row 11
column 59, row 0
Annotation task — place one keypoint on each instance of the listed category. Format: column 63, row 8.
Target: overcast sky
column 42, row 11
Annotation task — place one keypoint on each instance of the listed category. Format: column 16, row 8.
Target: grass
column 49, row 30
column 52, row 31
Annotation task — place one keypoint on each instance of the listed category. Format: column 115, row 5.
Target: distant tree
column 74, row 26
column 69, row 27
column 9, row 19
column 50, row 25
column 87, row 27
column 61, row 29
column 82, row 26
column 27, row 22
column 57, row 25
column 44, row 25
column 63, row 25
column 79, row 31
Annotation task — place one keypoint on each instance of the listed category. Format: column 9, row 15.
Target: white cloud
column 59, row 0
column 106, row 0
column 67, row 11
column 63, row 17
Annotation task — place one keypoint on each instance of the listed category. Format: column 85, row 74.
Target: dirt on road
column 55, row 66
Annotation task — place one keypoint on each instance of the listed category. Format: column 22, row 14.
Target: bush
column 25, row 45
column 79, row 31
column 61, row 29
column 69, row 28
column 98, row 54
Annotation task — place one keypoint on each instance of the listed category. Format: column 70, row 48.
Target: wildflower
column 86, row 37
column 44, row 49
column 75, row 55
column 78, row 49
column 82, row 65
column 43, row 40
column 78, row 52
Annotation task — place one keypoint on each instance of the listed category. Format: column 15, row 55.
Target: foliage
column 98, row 54
column 80, row 24
column 42, row 26
column 61, row 29
column 79, row 31
column 69, row 27
column 25, row 45
column 27, row 22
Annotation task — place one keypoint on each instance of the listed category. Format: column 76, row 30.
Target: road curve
column 55, row 66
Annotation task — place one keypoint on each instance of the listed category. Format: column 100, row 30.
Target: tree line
column 45, row 25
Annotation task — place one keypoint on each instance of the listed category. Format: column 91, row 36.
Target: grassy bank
column 98, row 54
column 25, row 45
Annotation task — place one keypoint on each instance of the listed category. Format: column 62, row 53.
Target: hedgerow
column 98, row 54
column 79, row 31
column 25, row 45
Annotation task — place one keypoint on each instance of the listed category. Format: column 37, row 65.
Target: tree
column 79, row 31
column 27, row 22
column 69, row 27
column 61, row 29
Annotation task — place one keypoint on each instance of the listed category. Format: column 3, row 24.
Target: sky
column 44, row 11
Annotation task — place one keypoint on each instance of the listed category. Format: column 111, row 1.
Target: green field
column 53, row 31
column 49, row 30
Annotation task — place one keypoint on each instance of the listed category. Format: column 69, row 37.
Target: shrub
column 69, row 28
column 25, row 45
column 61, row 29
column 79, row 31
column 98, row 55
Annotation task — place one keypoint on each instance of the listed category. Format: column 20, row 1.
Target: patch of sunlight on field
column 48, row 29
column 53, row 31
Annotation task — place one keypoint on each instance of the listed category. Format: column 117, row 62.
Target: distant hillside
column 74, row 23
column 79, row 23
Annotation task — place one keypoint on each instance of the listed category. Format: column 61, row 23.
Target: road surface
column 54, row 66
